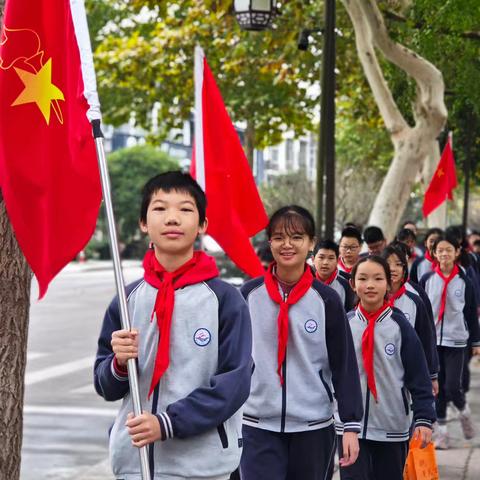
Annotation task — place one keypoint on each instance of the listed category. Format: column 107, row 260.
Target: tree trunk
column 15, row 279
column 411, row 144
column 250, row 143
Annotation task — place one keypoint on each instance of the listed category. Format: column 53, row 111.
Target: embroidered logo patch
column 311, row 326
column 390, row 348
column 458, row 293
column 202, row 337
column 407, row 315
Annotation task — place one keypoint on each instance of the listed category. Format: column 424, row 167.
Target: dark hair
column 376, row 259
column 406, row 234
column 476, row 243
column 458, row 232
column 403, row 247
column 394, row 250
column 451, row 239
column 178, row 182
column 352, row 232
column 264, row 252
column 433, row 231
column 327, row 245
column 293, row 218
column 373, row 234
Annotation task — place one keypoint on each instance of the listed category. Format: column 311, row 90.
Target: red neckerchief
column 446, row 281
column 330, row 279
column 368, row 345
column 343, row 266
column 397, row 295
column 200, row 268
column 428, row 257
column 297, row 292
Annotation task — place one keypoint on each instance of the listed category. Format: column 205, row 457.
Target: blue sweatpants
column 287, row 456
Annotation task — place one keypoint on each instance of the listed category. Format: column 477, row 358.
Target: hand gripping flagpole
column 122, row 299
column 80, row 24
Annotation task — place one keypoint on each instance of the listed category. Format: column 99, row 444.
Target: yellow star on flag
column 440, row 173
column 39, row 89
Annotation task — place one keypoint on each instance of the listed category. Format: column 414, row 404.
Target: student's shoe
column 466, row 423
column 452, row 413
column 442, row 440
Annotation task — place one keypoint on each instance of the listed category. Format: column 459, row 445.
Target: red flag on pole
column 443, row 183
column 48, row 168
column 235, row 211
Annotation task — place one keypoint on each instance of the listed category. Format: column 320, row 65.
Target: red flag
column 443, row 183
column 235, row 211
column 48, row 169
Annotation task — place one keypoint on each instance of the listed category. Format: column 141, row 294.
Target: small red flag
column 48, row 169
column 235, row 211
column 443, row 183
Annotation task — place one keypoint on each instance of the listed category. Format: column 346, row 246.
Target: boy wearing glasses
column 349, row 249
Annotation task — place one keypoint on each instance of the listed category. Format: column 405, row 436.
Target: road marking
column 58, row 370
column 34, row 355
column 87, row 389
column 58, row 410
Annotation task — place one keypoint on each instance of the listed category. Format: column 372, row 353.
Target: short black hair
column 373, row 234
column 476, row 243
column 433, row 231
column 264, row 252
column 451, row 239
column 294, row 219
column 178, row 182
column 327, row 245
column 406, row 234
column 400, row 254
column 351, row 232
column 376, row 259
column 403, row 247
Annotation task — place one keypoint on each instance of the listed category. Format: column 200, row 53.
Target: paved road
column 66, row 423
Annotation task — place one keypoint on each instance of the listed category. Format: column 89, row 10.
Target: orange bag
column 421, row 462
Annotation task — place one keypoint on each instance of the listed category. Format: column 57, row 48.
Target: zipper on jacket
column 284, row 386
column 151, row 459
column 223, row 435
column 367, row 407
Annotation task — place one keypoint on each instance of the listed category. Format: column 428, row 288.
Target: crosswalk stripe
column 58, row 370
column 59, row 410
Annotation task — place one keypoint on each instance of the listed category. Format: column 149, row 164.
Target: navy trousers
column 376, row 461
column 287, row 456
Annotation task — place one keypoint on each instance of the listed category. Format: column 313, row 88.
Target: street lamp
column 254, row 15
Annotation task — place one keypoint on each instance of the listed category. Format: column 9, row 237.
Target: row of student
column 193, row 341
column 448, row 284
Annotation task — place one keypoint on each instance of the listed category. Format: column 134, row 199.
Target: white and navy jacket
column 401, row 375
column 199, row 399
column 419, row 268
column 460, row 322
column 342, row 287
column 412, row 306
column 320, row 359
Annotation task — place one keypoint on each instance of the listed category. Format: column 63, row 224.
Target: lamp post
column 257, row 15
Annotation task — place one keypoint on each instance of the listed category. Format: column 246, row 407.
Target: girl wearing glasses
column 302, row 351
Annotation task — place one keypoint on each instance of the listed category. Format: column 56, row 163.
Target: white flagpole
column 83, row 39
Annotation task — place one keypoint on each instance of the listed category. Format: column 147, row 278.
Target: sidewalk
column 461, row 462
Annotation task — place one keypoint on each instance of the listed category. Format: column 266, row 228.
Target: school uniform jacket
column 420, row 267
column 319, row 359
column 199, row 398
column 415, row 312
column 460, row 322
column 401, row 375
column 342, row 287
column 418, row 290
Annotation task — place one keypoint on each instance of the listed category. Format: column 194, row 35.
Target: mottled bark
column 15, row 279
column 412, row 144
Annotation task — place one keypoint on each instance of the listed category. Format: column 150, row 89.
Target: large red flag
column 235, row 211
column 443, row 183
column 48, row 169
